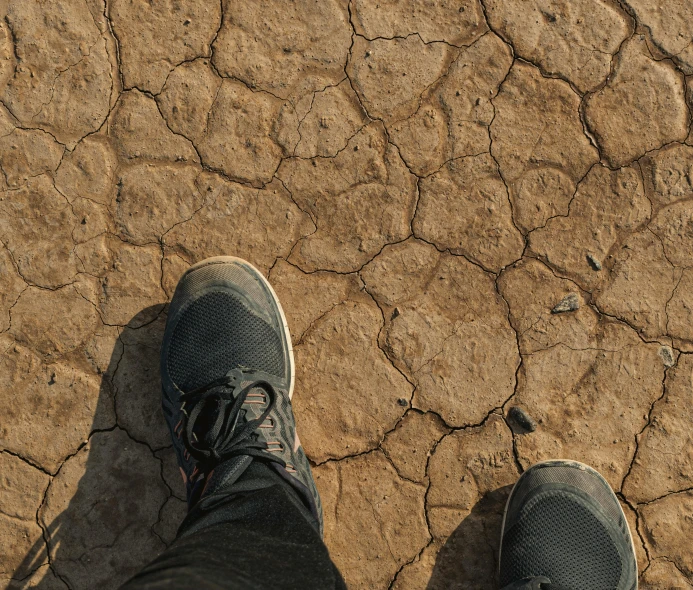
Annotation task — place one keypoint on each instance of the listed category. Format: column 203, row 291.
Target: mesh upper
column 201, row 349
column 556, row 535
column 223, row 273
column 582, row 479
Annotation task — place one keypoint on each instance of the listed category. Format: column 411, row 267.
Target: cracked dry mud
column 423, row 183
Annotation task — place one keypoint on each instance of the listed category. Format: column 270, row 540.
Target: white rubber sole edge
column 236, row 260
column 579, row 466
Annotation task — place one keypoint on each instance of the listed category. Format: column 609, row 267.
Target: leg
column 227, row 373
column 259, row 535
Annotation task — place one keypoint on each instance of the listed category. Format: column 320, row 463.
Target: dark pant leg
column 258, row 534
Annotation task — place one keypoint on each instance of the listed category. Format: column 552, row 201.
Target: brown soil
column 465, row 206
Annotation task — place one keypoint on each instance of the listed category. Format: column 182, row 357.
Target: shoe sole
column 285, row 325
column 578, row 465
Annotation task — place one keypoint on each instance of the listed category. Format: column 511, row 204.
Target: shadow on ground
column 469, row 557
column 115, row 504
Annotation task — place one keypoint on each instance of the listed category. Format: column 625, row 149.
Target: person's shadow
column 117, row 503
column 469, row 558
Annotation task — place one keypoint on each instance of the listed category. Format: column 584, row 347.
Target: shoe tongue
column 242, row 377
column 207, row 418
column 227, row 473
column 206, row 427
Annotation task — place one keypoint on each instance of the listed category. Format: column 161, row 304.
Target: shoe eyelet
column 275, row 446
column 268, row 423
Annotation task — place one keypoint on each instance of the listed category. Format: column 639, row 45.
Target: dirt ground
column 465, row 206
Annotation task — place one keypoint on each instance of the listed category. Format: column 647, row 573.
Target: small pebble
column 522, row 419
column 667, row 356
column 402, row 402
column 594, row 263
column 569, row 303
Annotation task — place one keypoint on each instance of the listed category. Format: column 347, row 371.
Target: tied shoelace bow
column 224, row 438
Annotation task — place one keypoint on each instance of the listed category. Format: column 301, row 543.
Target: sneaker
column 227, row 372
column 564, row 529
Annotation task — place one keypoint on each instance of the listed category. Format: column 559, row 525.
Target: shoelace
column 225, row 438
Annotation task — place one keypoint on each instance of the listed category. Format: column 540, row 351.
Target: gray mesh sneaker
column 227, row 372
column 563, row 529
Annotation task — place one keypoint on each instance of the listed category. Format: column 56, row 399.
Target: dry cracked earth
column 465, row 206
